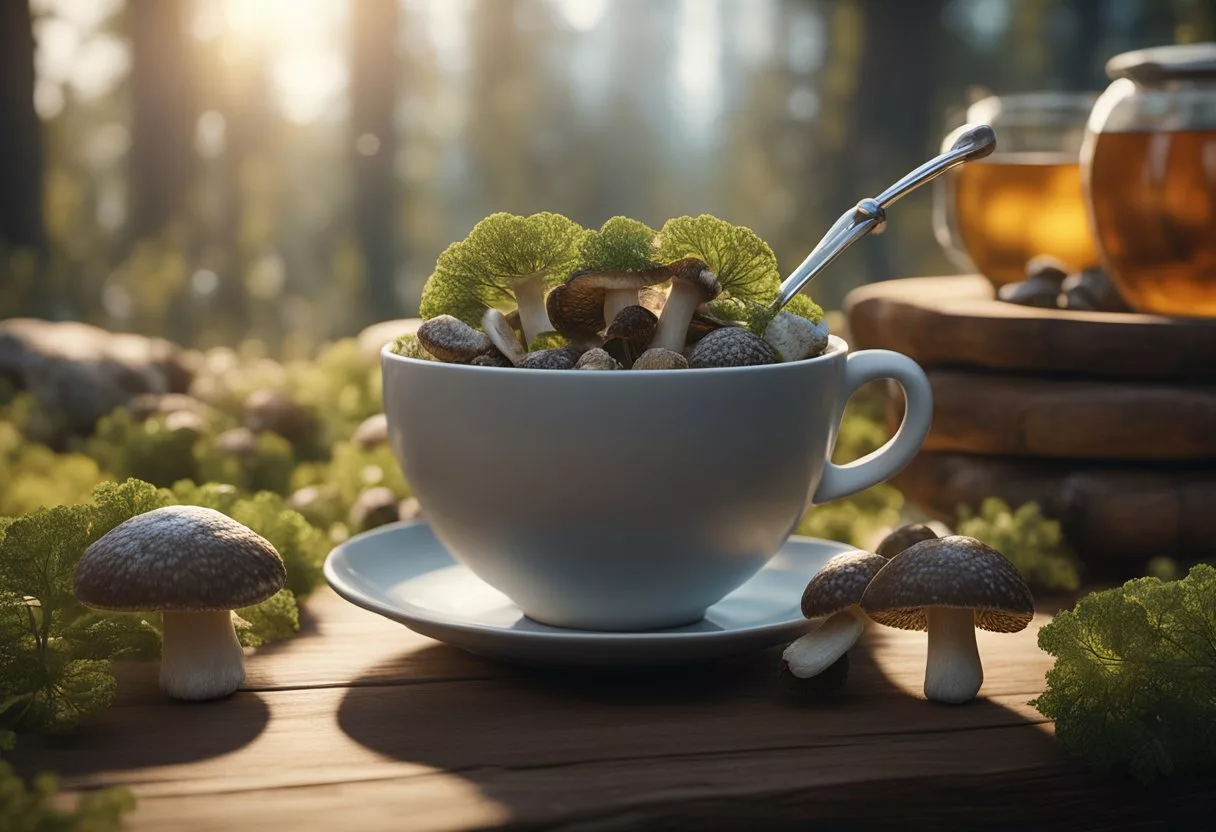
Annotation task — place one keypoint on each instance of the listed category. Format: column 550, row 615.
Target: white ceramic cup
column 632, row 500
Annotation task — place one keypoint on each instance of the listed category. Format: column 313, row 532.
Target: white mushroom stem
column 201, row 658
column 953, row 672
column 502, row 336
column 617, row 299
column 819, row 649
column 672, row 330
column 530, row 296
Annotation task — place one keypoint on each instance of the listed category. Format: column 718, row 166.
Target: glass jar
column 993, row 215
column 1149, row 170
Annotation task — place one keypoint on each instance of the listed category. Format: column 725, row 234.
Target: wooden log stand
column 1105, row 420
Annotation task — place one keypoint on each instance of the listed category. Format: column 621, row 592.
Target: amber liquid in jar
column 1014, row 206
column 1154, row 210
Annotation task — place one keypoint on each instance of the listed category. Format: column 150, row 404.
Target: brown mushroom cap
column 903, row 537
column 451, row 339
column 660, row 359
column 695, row 271
column 576, row 308
column 597, row 359
column 561, row 358
column 956, row 572
column 840, row 583
column 630, row 333
column 178, row 558
column 731, row 347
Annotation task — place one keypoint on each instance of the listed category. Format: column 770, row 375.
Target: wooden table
column 361, row 724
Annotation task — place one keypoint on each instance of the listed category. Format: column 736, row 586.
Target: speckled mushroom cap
column 178, row 558
column 840, row 583
column 957, row 572
column 904, row 537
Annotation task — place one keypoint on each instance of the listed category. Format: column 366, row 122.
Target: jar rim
column 1158, row 64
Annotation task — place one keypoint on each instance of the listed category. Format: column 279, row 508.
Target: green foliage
column 547, row 341
column 339, row 385
column 745, row 265
column 32, row 475
column 1134, row 682
column 268, row 468
column 153, row 451
column 757, row 315
column 480, row 271
column 1163, row 568
column 409, row 346
column 34, row 809
column 276, row 618
column 55, row 653
column 621, row 244
column 1032, row 543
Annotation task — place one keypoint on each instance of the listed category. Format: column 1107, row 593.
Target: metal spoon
column 975, row 142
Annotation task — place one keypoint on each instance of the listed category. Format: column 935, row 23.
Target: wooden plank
column 956, row 321
column 1107, row 512
column 1009, row 415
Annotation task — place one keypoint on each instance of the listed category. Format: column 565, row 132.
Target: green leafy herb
column 1134, row 682
column 33, row 808
column 547, row 341
column 744, row 264
column 409, row 346
column 621, row 244
column 1032, row 543
column 505, row 262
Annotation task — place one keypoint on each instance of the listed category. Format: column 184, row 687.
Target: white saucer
column 402, row 572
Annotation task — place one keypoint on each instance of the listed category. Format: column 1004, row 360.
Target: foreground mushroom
column 194, row 565
column 949, row 586
column 904, row 537
column 832, row 595
column 692, row 284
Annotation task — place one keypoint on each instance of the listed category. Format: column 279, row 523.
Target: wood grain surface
column 956, row 321
column 361, row 724
column 1107, row 512
column 1013, row 415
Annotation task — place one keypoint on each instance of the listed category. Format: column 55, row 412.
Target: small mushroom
column 832, row 596
column 275, row 411
column 630, row 333
column 562, row 358
column 692, row 284
column 1047, row 268
column 660, row 359
column 731, row 347
column 903, row 537
column 193, row 565
column 372, row 432
column 795, row 338
column 493, row 358
column 502, row 336
column 1093, row 291
column 1033, row 291
column 597, row 359
column 374, row 507
column 238, row 442
column 452, row 340
column 949, row 586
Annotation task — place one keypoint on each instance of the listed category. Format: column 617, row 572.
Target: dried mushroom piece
column 193, row 565
column 597, row 359
column 796, row 338
column 630, row 334
column 562, row 358
column 452, row 340
column 949, row 586
column 660, row 359
column 501, row 334
column 731, row 347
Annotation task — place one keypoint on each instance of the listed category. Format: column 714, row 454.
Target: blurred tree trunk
column 20, row 131
column 374, row 77
column 890, row 128
column 163, row 114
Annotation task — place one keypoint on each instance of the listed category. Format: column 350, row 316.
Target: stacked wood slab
column 1108, row 421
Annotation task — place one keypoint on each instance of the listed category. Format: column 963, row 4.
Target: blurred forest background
column 288, row 170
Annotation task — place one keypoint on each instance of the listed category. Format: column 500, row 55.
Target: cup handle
column 866, row 366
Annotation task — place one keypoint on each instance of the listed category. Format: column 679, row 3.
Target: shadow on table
column 584, row 726
column 164, row 732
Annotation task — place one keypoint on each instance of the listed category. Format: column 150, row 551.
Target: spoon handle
column 975, row 142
